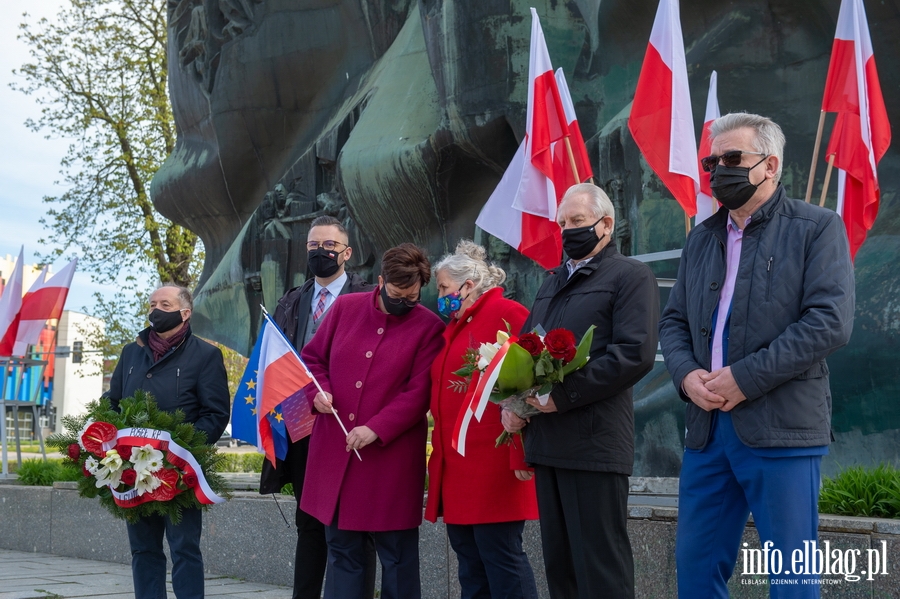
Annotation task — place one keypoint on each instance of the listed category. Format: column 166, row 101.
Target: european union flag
column 244, row 412
column 243, row 408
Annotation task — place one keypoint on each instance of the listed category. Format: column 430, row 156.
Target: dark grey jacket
column 190, row 377
column 594, row 426
column 792, row 307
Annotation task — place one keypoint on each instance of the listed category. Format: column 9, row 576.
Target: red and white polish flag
column 281, row 375
column 563, row 177
column 661, row 122
column 522, row 209
column 706, row 203
column 862, row 133
column 44, row 301
column 10, row 304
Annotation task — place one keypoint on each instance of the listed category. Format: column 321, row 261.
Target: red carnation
column 97, row 434
column 124, row 452
column 129, row 476
column 189, row 479
column 168, row 489
column 532, row 344
column 561, row 344
column 74, row 452
column 84, row 471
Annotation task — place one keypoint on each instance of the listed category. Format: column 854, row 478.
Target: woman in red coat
column 486, row 496
column 372, row 355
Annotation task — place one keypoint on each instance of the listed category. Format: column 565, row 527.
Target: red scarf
column 161, row 347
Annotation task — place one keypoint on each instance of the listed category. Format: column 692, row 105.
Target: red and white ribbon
column 177, row 455
column 478, row 396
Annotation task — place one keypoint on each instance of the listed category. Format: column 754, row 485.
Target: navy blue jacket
column 190, row 377
column 793, row 306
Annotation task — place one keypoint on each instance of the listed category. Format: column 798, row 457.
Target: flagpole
column 687, row 224
column 572, row 159
column 827, row 181
column 311, row 376
column 812, row 168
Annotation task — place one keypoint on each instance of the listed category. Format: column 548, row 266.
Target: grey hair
column 470, row 262
column 184, row 295
column 769, row 138
column 598, row 201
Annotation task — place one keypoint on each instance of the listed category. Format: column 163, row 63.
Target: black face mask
column 580, row 241
column 396, row 307
column 162, row 321
column 731, row 184
column 323, row 263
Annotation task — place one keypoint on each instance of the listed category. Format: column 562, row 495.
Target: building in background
column 63, row 371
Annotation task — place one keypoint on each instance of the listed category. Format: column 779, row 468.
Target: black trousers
column 311, row 555
column 587, row 553
column 399, row 554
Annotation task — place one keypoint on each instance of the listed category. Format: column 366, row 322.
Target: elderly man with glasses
column 765, row 292
column 299, row 313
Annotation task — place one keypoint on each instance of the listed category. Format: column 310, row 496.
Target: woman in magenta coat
column 486, row 496
column 372, row 355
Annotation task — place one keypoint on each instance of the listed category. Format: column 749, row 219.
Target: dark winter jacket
column 292, row 317
column 190, row 377
column 793, row 306
column 594, row 427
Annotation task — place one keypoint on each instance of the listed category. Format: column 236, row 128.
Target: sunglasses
column 402, row 300
column 730, row 159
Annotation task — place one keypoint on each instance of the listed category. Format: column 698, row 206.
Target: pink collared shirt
column 732, row 260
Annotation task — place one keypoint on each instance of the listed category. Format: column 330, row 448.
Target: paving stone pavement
column 42, row 576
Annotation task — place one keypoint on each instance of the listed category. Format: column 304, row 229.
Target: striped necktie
column 320, row 307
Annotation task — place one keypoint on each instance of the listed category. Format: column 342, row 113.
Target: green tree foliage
column 99, row 73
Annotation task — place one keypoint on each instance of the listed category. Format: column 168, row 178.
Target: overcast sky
column 29, row 164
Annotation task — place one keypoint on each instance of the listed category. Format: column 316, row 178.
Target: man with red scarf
column 185, row 373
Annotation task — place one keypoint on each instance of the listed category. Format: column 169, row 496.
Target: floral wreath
column 140, row 460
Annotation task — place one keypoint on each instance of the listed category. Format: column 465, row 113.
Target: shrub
column 861, row 491
column 241, row 462
column 40, row 473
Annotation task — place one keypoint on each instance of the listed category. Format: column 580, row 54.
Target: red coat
column 377, row 368
column 480, row 488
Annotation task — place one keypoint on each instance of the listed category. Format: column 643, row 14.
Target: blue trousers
column 148, row 562
column 492, row 564
column 720, row 486
column 346, row 575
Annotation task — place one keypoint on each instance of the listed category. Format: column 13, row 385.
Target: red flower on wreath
column 169, row 487
column 96, row 435
column 84, row 471
column 124, row 452
column 129, row 476
column 189, row 479
column 561, row 344
column 175, row 460
column 531, row 343
column 74, row 452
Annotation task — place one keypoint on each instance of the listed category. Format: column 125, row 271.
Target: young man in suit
column 298, row 314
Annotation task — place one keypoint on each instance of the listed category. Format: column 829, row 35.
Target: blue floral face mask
column 450, row 304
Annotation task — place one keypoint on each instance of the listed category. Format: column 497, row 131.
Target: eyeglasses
column 328, row 244
column 730, row 159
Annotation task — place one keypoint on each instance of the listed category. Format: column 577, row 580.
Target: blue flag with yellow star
column 243, row 410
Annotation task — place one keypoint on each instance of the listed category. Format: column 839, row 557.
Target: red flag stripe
column 650, row 123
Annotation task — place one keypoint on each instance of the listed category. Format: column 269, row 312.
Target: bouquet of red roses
column 514, row 369
column 141, row 460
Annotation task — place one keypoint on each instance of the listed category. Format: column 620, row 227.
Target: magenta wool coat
column 377, row 367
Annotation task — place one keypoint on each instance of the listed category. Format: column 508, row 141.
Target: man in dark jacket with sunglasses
column 765, row 292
